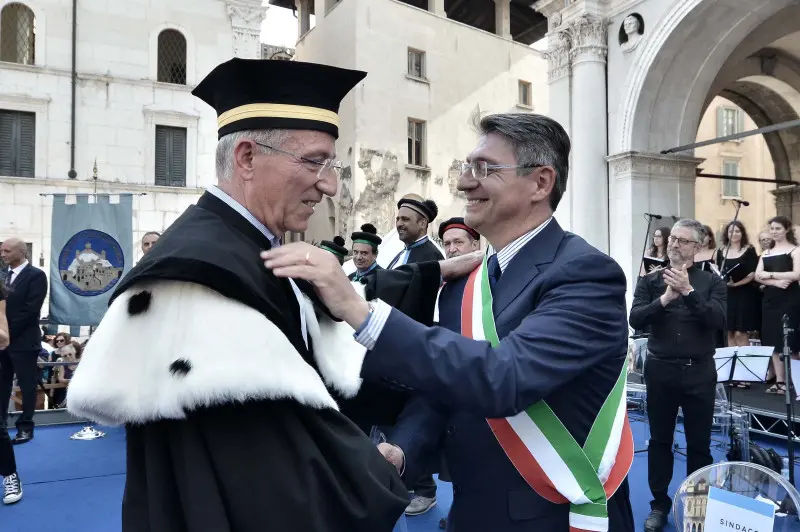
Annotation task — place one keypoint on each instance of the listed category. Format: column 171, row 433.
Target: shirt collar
column 247, row 215
column 372, row 267
column 505, row 255
column 421, row 240
column 19, row 268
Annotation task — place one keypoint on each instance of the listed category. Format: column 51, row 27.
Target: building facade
column 134, row 120
column 747, row 157
column 644, row 72
column 407, row 127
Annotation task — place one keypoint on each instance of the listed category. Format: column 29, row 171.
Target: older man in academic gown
column 523, row 383
column 226, row 383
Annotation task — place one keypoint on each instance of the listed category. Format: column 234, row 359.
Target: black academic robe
column 230, row 422
column 422, row 252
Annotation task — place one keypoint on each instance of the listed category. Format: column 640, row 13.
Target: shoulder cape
column 200, row 322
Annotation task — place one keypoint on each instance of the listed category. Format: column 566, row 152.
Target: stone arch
column 672, row 75
column 767, row 107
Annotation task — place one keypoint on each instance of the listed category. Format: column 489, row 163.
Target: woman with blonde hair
column 12, row 487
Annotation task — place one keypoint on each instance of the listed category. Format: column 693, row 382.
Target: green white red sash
column 541, row 448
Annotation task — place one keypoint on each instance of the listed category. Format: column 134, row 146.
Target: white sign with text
column 731, row 512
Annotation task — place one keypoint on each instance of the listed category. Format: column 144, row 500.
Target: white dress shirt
column 274, row 241
column 16, row 271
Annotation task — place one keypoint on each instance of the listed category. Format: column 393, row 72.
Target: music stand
column 740, row 364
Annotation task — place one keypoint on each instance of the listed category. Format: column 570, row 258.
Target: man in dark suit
column 539, row 361
column 27, row 288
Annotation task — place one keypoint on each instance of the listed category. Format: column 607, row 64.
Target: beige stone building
column 748, row 157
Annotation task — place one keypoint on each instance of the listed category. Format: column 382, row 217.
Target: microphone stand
column 787, row 368
column 650, row 218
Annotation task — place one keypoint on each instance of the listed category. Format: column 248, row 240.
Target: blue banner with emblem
column 91, row 249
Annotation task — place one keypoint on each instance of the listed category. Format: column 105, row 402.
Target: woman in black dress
column 706, row 256
column 779, row 270
column 737, row 261
column 657, row 249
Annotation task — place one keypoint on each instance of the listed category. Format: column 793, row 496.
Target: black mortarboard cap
column 335, row 246
column 454, row 223
column 367, row 235
column 426, row 208
column 273, row 94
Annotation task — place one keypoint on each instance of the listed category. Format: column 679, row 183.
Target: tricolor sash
column 540, row 447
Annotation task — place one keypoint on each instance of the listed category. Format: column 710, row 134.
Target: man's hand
column 669, row 296
column 393, row 454
column 678, row 280
column 460, row 266
column 319, row 267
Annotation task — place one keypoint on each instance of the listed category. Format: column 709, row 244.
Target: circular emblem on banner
column 91, row 263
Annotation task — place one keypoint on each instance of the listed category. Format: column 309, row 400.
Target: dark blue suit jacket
column 24, row 307
column 561, row 317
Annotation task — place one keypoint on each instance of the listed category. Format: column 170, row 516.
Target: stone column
column 589, row 125
column 646, row 183
column 303, row 16
column 558, row 78
column 502, row 17
column 246, row 18
column 437, row 7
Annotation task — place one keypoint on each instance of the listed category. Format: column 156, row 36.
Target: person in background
column 779, row 270
column 12, row 487
column 658, row 247
column 26, row 287
column 365, row 251
column 335, row 246
column 737, row 261
column 148, row 241
column 458, row 238
column 685, row 308
column 705, row 257
column 414, row 214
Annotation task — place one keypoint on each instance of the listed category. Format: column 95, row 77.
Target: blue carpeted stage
column 77, row 485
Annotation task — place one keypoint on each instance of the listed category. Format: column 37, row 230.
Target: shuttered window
column 170, row 156
column 17, row 143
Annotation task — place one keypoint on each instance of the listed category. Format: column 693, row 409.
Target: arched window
column 17, row 34
column 172, row 57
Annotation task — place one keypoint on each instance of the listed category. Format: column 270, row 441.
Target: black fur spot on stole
column 180, row 367
column 139, row 303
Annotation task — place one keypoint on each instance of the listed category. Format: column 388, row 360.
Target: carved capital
column 558, row 56
column 633, row 165
column 246, row 14
column 589, row 36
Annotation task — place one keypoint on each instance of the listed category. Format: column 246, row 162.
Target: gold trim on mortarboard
column 277, row 110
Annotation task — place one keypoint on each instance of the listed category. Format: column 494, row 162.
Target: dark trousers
column 23, row 364
column 673, row 384
column 8, row 465
column 425, row 486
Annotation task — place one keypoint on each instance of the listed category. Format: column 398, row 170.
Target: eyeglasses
column 481, row 169
column 325, row 166
column 681, row 241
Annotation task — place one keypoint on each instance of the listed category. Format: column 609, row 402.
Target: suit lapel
column 523, row 268
column 21, row 277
